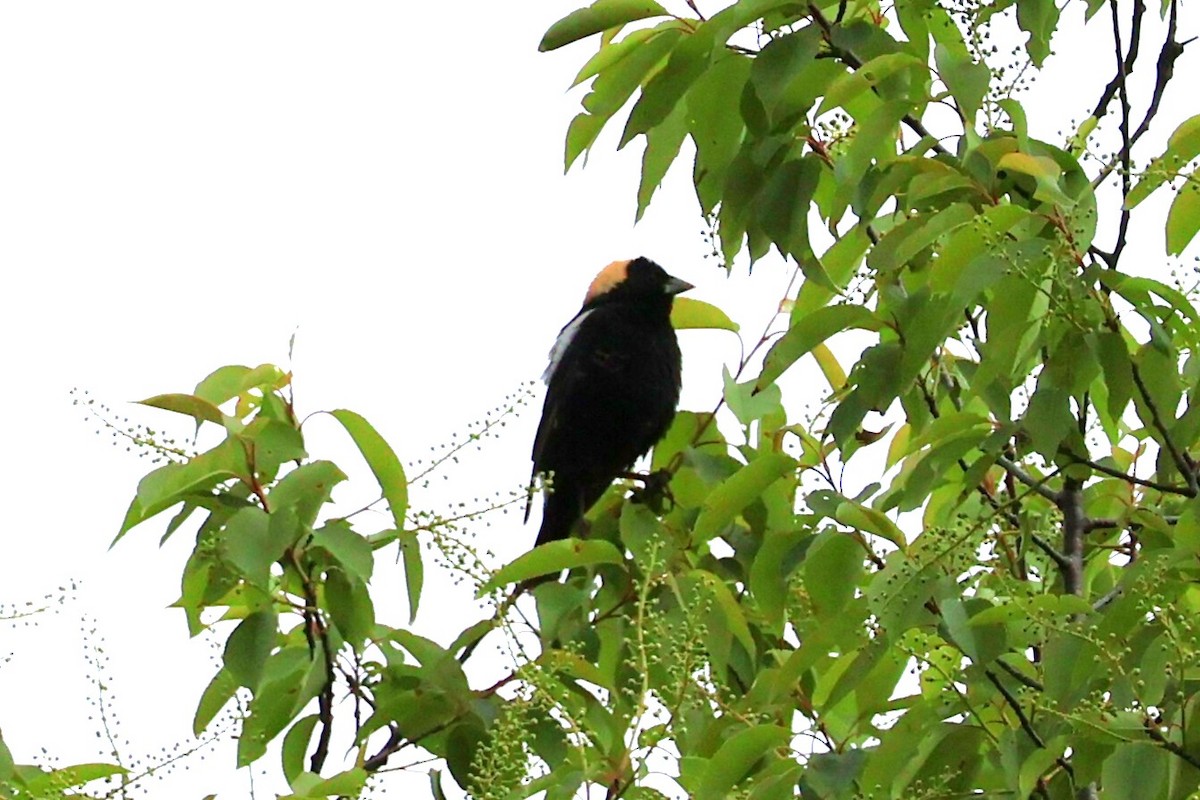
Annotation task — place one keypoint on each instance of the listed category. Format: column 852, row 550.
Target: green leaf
column 770, row 570
column 874, row 146
column 832, row 570
column 1182, row 147
column 246, row 543
column 290, row 679
column 271, row 443
column 571, row 664
column 551, row 558
column 248, row 647
column 716, row 132
column 690, row 314
column 6, row 763
column 736, row 756
column 642, row 534
column 807, row 333
column 232, row 381
column 662, row 146
column 1039, row 19
column 868, row 520
column 350, row 605
column 832, row 774
column 306, row 489
column 728, row 606
column 1048, row 419
column 900, row 245
column 1135, row 771
column 613, row 87
column 170, row 484
column 344, row 784
column 189, row 405
column 749, row 405
column 295, row 746
column 600, row 16
column 898, row 593
column 830, row 368
column 414, row 570
column 967, row 79
column 381, row 459
column 782, row 210
column 661, row 94
column 611, row 52
column 1138, row 290
column 1184, row 142
column 1183, row 220
column 738, row 491
column 1045, row 172
column 58, row 780
column 869, row 75
column 219, row 692
column 349, row 549
column 861, row 675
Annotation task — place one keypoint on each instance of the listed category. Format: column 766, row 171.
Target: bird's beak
column 676, row 286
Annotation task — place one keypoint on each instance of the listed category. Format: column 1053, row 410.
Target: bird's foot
column 655, row 491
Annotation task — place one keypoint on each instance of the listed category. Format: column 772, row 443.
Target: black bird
column 612, row 386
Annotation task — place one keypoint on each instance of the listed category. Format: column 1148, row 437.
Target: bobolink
column 612, row 386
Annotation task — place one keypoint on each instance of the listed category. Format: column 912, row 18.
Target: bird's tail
column 566, row 503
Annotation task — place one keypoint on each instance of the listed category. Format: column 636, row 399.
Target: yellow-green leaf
column 688, row 313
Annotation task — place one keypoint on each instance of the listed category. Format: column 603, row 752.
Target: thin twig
column 1018, row 676
column 1108, row 597
column 395, row 742
column 1038, row 485
column 1125, row 63
column 1182, row 462
column 1164, row 71
column 1116, row 473
column 1026, row 725
column 1055, row 556
column 1124, row 68
column 1171, row 747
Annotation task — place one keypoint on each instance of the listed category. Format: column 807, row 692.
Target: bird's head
column 635, row 280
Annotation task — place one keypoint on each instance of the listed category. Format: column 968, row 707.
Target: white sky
column 183, row 185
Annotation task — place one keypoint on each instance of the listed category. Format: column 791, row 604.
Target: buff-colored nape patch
column 607, row 278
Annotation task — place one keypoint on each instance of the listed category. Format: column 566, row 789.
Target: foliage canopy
column 1007, row 609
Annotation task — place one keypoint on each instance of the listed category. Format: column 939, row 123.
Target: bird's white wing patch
column 563, row 342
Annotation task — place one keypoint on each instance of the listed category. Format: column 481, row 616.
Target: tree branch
column 1039, row 486
column 1070, row 502
column 1182, row 462
column 1171, row 747
column 318, row 644
column 1019, row 677
column 395, row 742
column 1116, row 473
column 1164, row 70
column 1055, row 556
column 1026, row 725
column 1124, row 68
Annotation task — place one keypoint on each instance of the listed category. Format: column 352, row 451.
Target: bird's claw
column 655, row 491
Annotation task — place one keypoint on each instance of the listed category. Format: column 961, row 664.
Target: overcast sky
column 183, row 186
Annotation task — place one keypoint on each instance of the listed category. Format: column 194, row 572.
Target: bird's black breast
column 612, row 393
